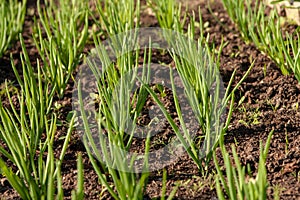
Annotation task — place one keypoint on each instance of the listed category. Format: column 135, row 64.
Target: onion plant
column 109, row 131
column 203, row 87
column 28, row 133
column 118, row 16
column 292, row 51
column 111, row 142
column 266, row 33
column 237, row 184
column 12, row 15
column 198, row 68
column 168, row 14
column 268, row 38
column 66, row 27
column 237, row 13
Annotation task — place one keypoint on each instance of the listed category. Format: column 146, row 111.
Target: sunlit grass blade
column 79, row 193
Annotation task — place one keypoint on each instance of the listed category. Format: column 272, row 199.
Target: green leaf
column 14, row 180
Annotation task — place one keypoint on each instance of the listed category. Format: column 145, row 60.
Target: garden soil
column 265, row 101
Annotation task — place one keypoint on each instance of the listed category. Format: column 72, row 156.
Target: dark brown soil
column 265, row 101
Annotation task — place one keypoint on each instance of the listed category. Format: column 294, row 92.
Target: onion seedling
column 66, row 27
column 117, row 16
column 28, row 133
column 12, row 15
column 236, row 186
column 266, row 33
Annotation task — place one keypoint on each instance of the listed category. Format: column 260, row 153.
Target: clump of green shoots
column 265, row 32
column 292, row 52
column 198, row 69
column 66, row 27
column 203, row 89
column 237, row 186
column 237, row 13
column 268, row 38
column 12, row 15
column 168, row 14
column 118, row 16
column 112, row 141
column 28, row 133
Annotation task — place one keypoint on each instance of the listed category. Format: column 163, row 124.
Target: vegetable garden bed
column 265, row 105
